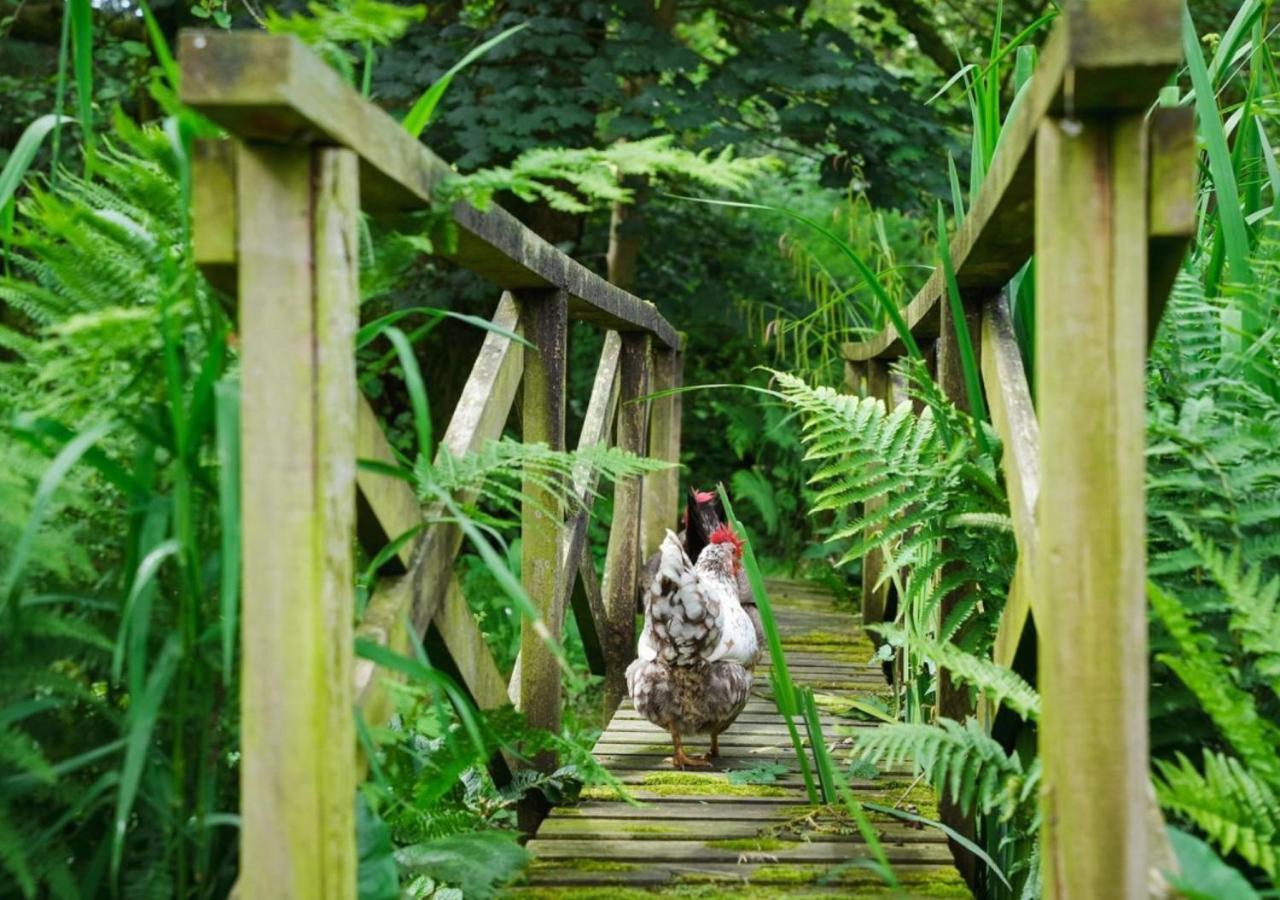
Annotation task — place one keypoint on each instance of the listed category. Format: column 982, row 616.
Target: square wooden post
column 298, row 285
column 622, row 563
column 1091, row 284
column 662, row 489
column 544, row 320
column 875, row 599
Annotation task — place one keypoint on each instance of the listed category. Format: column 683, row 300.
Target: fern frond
column 1200, row 667
column 498, row 468
column 1237, row 811
column 961, row 761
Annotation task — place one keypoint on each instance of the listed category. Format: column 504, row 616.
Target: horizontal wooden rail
column 1081, row 70
column 273, row 89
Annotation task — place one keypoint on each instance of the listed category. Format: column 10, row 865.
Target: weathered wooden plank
column 1014, row 418
column 770, row 879
column 1091, row 279
column 652, row 828
column 875, row 596
column 623, row 561
column 1172, row 193
column 272, row 88
column 213, row 211
column 468, row 649
column 653, row 851
column 336, row 279
column 544, row 318
column 387, row 507
column 596, row 425
column 298, row 304
column 662, row 489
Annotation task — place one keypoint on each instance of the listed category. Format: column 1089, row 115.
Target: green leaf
column 478, row 863
column 139, row 724
column 81, row 13
column 24, row 152
column 376, row 875
column 228, row 442
column 420, row 114
column 764, row 773
column 1202, row 875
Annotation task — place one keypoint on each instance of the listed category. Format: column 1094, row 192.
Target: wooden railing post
column 662, row 489
column 953, row 700
column 1091, row 285
column 622, row 564
column 544, row 319
column 875, row 599
column 298, row 211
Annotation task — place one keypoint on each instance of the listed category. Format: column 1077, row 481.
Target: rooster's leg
column 681, row 759
column 715, row 746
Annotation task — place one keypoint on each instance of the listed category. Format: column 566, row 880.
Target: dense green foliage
column 119, row 536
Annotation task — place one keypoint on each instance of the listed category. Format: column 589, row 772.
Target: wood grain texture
column 544, row 319
column 296, row 223
column 622, row 562
column 662, row 501
column 272, row 88
column 213, row 211
column 1091, row 279
column 1173, row 192
column 691, row 826
column 875, row 597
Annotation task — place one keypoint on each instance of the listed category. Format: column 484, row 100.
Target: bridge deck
column 698, row 834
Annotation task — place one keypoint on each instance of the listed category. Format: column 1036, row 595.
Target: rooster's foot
column 682, row 760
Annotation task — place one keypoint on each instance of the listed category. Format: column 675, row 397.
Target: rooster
column 699, row 646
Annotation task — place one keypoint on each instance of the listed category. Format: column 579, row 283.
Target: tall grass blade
column 420, row 114
column 52, row 479
column 24, row 152
column 869, row 277
column 417, row 391
column 137, row 605
column 227, row 416
column 1230, row 216
column 139, row 724
column 968, row 361
column 81, row 13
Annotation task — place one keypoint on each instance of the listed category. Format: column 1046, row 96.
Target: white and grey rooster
column 699, row 647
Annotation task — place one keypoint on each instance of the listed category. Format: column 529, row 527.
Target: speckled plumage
column 695, row 657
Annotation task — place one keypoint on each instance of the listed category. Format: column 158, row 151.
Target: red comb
column 726, row 535
column 704, row 496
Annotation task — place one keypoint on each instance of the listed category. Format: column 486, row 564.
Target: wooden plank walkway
column 695, row 834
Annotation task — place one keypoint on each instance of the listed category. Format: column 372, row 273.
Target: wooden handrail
column 275, row 223
column 1085, row 68
column 273, row 89
column 1103, row 195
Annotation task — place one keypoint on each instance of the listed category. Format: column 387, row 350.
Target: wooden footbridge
column 1084, row 178
column 699, row 829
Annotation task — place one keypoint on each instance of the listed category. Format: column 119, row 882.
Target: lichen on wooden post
column 662, row 489
column 622, row 564
column 1091, row 283
column 874, row 599
column 298, row 285
column 544, row 319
